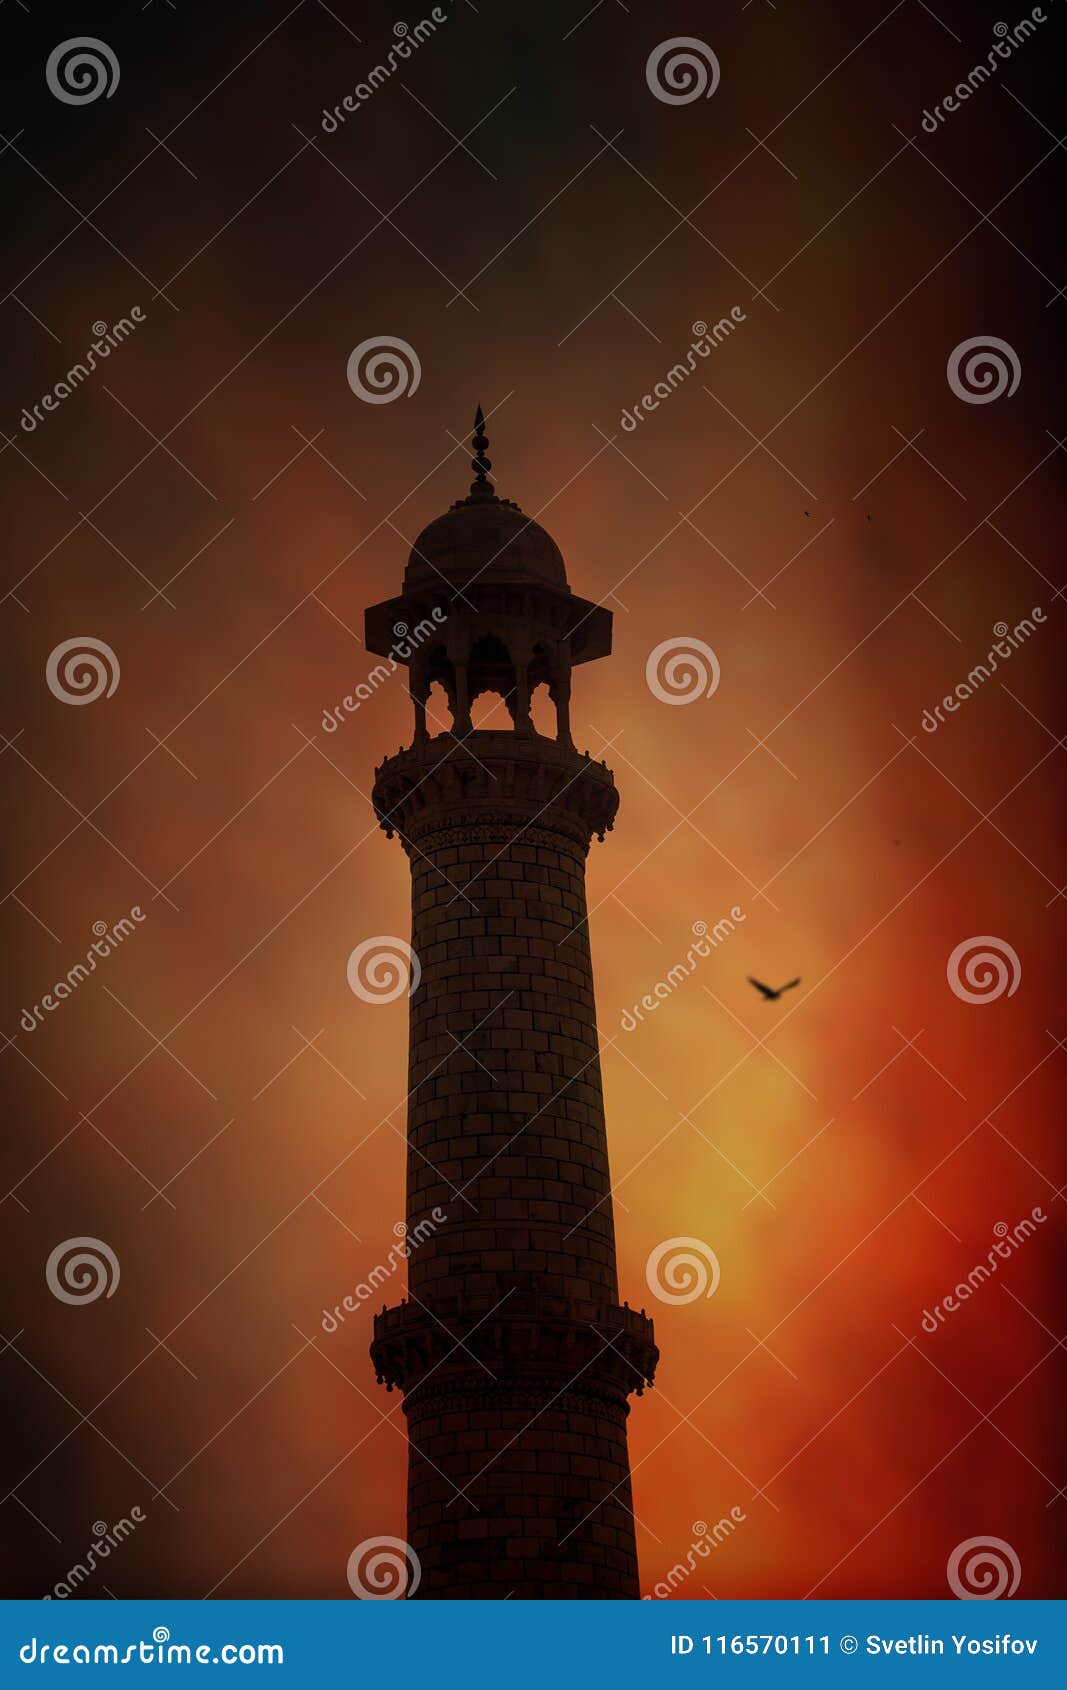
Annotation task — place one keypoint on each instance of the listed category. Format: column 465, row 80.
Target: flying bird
column 769, row 992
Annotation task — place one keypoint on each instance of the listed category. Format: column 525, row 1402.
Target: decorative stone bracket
column 498, row 776
column 592, row 1348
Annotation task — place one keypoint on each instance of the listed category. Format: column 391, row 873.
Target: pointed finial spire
column 481, row 486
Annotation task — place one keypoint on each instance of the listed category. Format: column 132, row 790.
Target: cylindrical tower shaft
column 513, row 1352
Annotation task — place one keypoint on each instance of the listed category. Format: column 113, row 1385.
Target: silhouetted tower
column 513, row 1352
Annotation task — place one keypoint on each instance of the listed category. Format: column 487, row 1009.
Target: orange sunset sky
column 815, row 503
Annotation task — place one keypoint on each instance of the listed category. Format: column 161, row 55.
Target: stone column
column 514, row 1354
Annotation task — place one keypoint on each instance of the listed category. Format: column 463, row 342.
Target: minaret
column 514, row 1355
